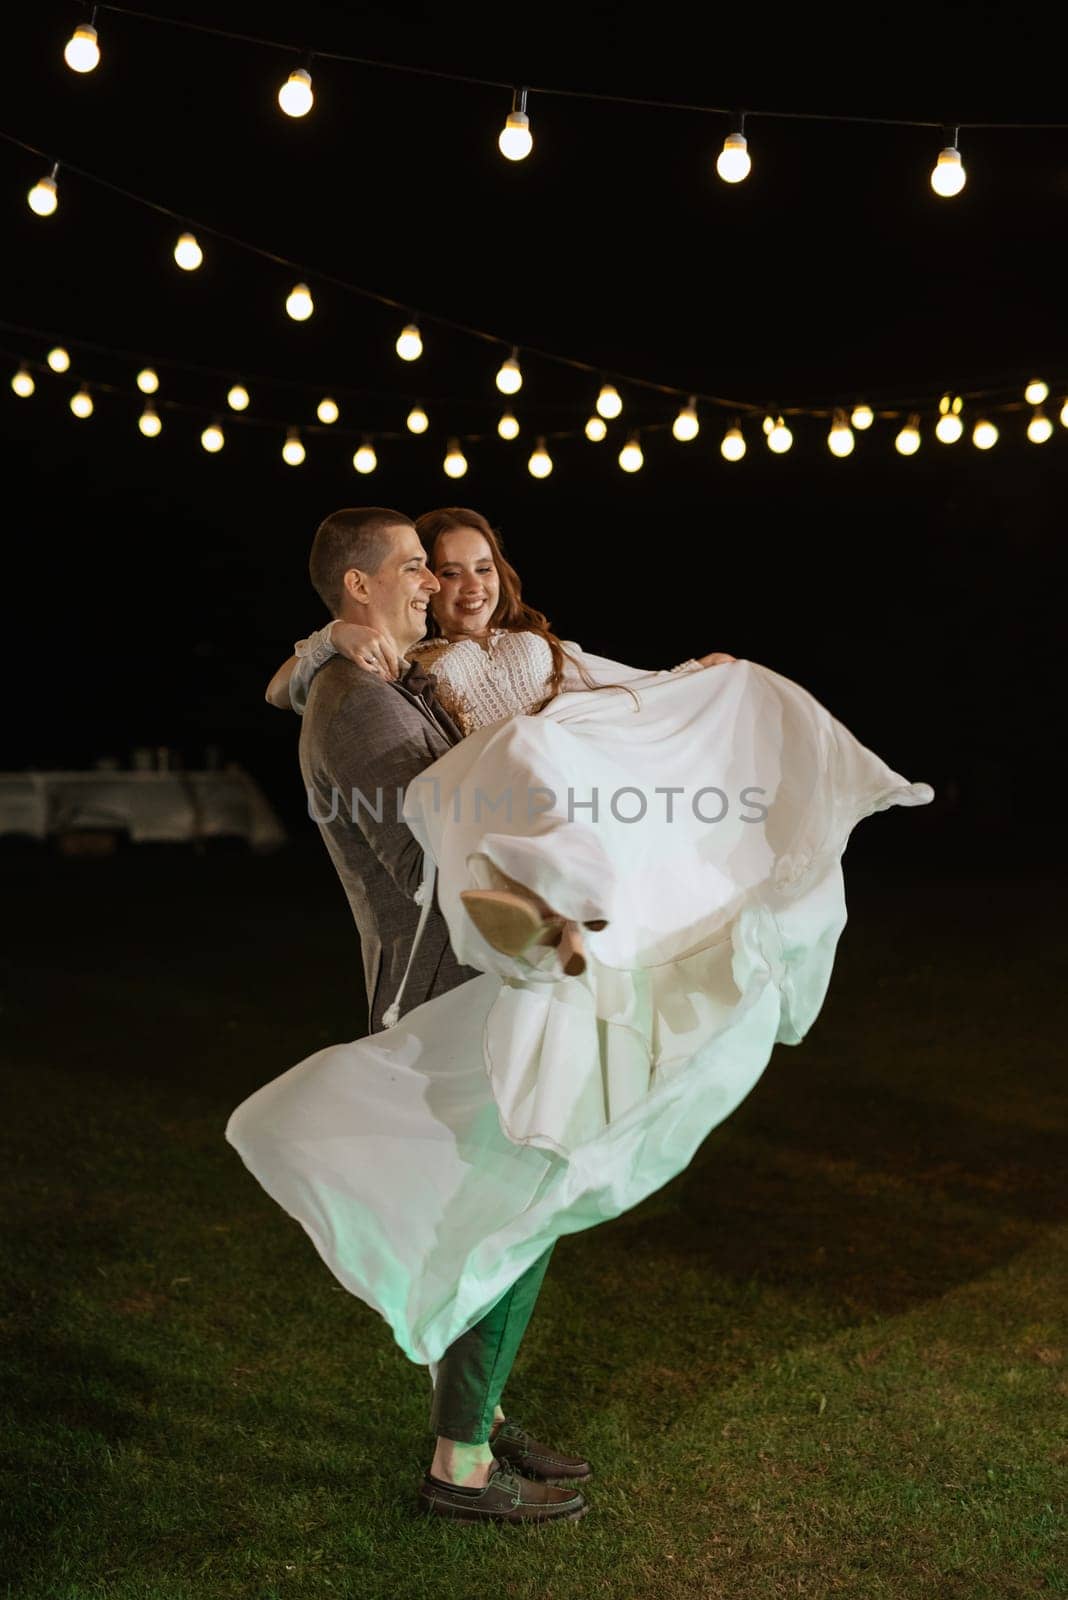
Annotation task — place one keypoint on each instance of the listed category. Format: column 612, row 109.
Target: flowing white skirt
column 432, row 1163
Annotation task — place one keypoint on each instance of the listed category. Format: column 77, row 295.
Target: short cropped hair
column 358, row 536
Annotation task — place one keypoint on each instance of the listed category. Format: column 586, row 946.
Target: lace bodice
column 482, row 681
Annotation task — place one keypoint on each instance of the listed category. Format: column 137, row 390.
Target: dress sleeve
column 311, row 653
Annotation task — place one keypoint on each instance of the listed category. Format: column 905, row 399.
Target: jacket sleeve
column 371, row 756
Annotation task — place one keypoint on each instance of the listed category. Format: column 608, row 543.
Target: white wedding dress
column 432, row 1163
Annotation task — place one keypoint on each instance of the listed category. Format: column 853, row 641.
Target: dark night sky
column 153, row 589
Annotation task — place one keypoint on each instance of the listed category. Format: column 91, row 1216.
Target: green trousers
column 470, row 1377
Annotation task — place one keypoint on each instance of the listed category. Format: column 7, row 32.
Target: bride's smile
column 470, row 587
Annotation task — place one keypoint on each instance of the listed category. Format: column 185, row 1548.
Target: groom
column 373, row 734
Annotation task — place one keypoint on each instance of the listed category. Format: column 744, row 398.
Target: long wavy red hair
column 511, row 611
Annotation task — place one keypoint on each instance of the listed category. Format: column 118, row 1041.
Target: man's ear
column 355, row 583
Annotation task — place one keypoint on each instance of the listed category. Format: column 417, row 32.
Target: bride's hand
column 716, row 659
column 367, row 647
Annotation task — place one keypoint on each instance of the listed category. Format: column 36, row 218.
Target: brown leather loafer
column 517, row 1449
column 507, row 1497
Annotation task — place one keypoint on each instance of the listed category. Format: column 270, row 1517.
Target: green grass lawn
column 828, row 1359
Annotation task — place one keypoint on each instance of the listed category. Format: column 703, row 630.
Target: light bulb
column 327, row 410
column 293, row 449
column 82, row 403
column 1064, row 415
column 43, row 197
column 365, row 459
column 188, row 253
column 147, row 380
column 295, row 96
column 840, row 440
column 779, row 437
column 767, row 424
column 82, row 52
column 984, row 434
column 1040, row 428
column 732, row 445
column 509, row 377
column 417, row 420
column 23, row 384
column 455, row 462
column 947, row 177
column 948, row 428
column 409, row 343
column 149, row 422
column 686, row 426
column 237, row 397
column 212, row 438
column 515, row 141
column 596, row 430
column 508, row 426
column 299, row 302
column 1036, row 392
column 862, row 417
column 733, row 163
column 541, row 462
column 907, row 441
column 630, row 457
column 58, row 359
column 608, row 402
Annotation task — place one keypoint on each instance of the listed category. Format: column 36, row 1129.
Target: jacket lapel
column 435, row 715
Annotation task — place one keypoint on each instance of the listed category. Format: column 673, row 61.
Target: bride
column 644, row 867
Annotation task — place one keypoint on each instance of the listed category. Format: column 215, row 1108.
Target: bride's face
column 470, row 588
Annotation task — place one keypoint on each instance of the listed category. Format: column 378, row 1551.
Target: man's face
column 396, row 596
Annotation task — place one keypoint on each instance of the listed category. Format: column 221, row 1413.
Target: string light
column 293, row 449
column 1036, row 392
column 327, row 410
column 148, row 380
column 908, row 440
column 213, row 438
column 1064, row 415
column 299, row 302
column 23, row 383
column 840, row 440
column 509, row 377
column 187, row 252
column 948, row 175
column 149, row 422
column 455, row 462
column 295, row 96
column 82, row 403
column 862, row 416
column 58, row 359
column 984, row 434
column 779, row 437
column 732, row 445
column 733, row 162
column 365, row 460
column 43, row 198
column 409, row 344
column 81, row 51
column 508, row 426
column 608, row 402
column 1040, row 428
column 417, row 420
column 515, row 140
column 237, row 397
column 630, row 457
column 767, row 424
column 541, row 462
column 596, row 430
column 686, row 426
column 949, row 426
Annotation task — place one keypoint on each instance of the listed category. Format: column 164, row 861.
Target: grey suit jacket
column 362, row 734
